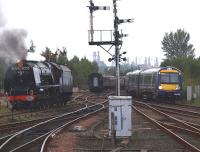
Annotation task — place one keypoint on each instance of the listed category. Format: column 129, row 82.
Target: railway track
column 27, row 118
column 185, row 132
column 38, row 132
column 36, row 118
column 80, row 99
column 42, row 130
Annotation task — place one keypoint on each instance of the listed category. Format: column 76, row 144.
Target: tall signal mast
column 93, row 8
column 116, row 41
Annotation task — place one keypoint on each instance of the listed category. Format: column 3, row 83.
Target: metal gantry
column 117, row 41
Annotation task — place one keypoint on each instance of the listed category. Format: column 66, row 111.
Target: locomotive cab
column 19, row 84
column 169, row 83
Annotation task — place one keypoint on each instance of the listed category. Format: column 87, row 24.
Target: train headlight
column 160, row 87
column 177, row 87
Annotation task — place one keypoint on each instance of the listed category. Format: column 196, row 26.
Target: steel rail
column 4, row 138
column 180, row 129
column 24, row 146
column 177, row 113
column 171, row 117
column 42, row 123
column 21, row 147
column 193, row 124
column 168, row 131
column 190, row 106
column 64, row 126
column 176, row 109
column 24, row 124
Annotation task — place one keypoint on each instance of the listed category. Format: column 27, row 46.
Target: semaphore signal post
column 114, row 40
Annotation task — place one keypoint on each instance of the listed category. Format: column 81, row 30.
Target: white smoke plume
column 2, row 19
column 12, row 44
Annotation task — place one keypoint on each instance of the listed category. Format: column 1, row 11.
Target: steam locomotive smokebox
column 120, row 119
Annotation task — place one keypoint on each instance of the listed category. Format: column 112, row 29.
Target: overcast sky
column 57, row 23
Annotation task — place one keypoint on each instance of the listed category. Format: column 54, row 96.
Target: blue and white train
column 162, row 82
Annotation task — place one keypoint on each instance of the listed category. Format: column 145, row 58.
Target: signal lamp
column 110, row 59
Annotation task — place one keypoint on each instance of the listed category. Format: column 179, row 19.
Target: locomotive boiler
column 37, row 83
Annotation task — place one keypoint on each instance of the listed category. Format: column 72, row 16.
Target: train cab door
column 95, row 82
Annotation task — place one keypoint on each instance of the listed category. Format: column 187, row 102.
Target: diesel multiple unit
column 155, row 83
column 162, row 82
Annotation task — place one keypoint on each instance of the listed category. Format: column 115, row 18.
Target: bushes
column 190, row 68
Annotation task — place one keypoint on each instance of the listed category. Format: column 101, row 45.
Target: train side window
column 141, row 79
column 136, row 79
column 147, row 79
column 153, row 78
column 144, row 80
column 133, row 82
column 115, row 120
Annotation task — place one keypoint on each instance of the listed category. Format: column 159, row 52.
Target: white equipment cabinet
column 120, row 109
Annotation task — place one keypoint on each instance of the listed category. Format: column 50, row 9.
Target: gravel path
column 145, row 137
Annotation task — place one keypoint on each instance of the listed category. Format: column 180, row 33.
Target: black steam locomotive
column 37, row 83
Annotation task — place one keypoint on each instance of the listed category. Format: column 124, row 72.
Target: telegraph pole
column 116, row 34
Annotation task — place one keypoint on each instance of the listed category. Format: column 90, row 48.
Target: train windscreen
column 169, row 77
column 95, row 82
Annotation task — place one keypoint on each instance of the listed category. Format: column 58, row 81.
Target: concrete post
column 189, row 93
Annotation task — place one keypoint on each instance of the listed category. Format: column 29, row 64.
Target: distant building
column 97, row 59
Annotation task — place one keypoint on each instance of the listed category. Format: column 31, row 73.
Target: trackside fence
column 193, row 92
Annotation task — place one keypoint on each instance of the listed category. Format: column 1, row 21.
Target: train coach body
column 155, row 83
column 36, row 83
column 162, row 82
column 98, row 82
column 132, row 82
column 95, row 82
column 109, row 81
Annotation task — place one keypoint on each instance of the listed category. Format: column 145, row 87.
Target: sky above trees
column 58, row 23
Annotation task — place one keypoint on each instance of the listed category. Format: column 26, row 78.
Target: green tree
column 81, row 68
column 48, row 55
column 177, row 45
column 74, row 66
column 189, row 67
column 62, row 56
column 94, row 67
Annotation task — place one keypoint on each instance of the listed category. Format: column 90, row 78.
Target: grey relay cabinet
column 120, row 119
